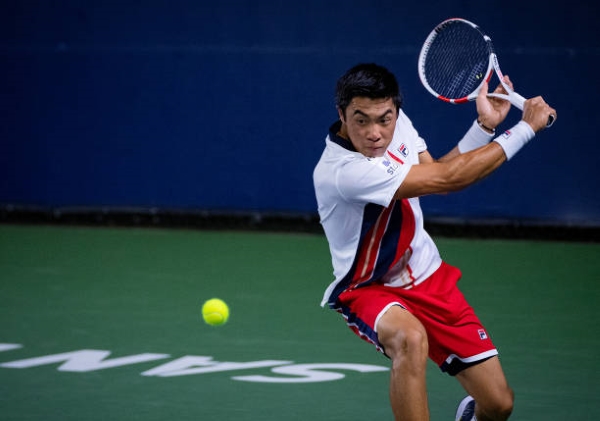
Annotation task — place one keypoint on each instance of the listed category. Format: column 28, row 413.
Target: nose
column 373, row 133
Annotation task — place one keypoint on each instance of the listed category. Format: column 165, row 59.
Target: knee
column 499, row 408
column 408, row 344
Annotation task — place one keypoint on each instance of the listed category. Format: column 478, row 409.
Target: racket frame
column 493, row 66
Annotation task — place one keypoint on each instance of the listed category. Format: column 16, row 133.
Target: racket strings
column 457, row 60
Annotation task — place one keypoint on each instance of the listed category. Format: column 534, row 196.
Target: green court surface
column 69, row 293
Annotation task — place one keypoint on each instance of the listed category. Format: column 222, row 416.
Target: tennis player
column 391, row 285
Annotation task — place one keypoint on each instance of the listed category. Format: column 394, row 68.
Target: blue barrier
column 183, row 105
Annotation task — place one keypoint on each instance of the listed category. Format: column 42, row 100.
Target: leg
column 486, row 383
column 405, row 342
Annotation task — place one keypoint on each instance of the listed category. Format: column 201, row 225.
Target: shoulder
column 404, row 122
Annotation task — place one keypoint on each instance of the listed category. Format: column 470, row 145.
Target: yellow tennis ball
column 215, row 312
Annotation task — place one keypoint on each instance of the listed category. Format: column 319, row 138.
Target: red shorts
column 456, row 337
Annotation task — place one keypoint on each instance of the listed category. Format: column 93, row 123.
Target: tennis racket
column 455, row 60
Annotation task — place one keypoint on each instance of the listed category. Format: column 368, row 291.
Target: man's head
column 367, row 80
column 368, row 100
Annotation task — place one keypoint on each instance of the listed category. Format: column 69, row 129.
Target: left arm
column 490, row 113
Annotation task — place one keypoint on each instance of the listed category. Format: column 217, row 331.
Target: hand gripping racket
column 455, row 60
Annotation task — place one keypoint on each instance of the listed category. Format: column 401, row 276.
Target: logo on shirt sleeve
column 403, row 149
column 390, row 166
column 400, row 153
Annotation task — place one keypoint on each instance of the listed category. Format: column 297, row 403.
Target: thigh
column 486, row 382
column 365, row 307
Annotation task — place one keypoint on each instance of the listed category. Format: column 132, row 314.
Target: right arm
column 451, row 174
column 456, row 170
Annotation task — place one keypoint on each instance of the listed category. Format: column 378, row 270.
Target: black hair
column 368, row 80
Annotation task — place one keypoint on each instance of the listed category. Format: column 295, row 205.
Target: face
column 369, row 124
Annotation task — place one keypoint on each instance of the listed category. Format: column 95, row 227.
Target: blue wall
column 185, row 104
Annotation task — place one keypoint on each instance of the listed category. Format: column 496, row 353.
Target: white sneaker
column 466, row 410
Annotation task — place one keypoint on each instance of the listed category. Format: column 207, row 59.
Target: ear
column 341, row 114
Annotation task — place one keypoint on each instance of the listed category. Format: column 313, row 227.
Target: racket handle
column 513, row 97
column 519, row 102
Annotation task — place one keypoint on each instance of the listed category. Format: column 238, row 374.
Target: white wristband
column 514, row 139
column 475, row 138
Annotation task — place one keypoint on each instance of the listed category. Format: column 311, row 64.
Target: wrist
column 514, row 139
column 475, row 137
column 486, row 128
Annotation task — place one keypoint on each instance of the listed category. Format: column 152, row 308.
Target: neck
column 343, row 133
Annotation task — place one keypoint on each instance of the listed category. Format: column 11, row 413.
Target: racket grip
column 517, row 100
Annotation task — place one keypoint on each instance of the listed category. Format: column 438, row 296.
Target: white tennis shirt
column 372, row 237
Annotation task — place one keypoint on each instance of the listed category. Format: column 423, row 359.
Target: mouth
column 376, row 152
